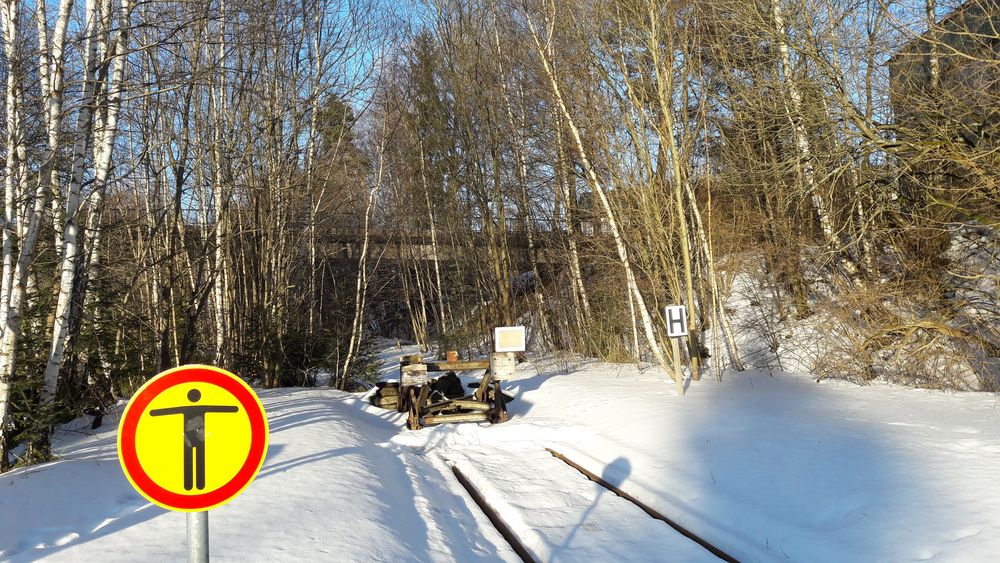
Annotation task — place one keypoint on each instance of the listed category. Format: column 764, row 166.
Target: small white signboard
column 413, row 375
column 676, row 317
column 509, row 339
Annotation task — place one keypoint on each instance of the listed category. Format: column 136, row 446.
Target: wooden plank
column 500, row 414
column 461, row 417
column 678, row 375
column 386, row 402
column 403, row 401
column 450, row 404
column 413, row 415
column 461, row 365
column 431, row 409
column 471, row 405
column 484, row 385
column 425, row 392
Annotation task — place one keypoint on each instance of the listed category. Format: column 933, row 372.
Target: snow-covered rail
column 547, row 512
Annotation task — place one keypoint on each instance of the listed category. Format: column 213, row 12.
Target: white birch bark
column 103, row 144
column 12, row 180
column 51, row 64
column 220, row 290
column 360, row 293
column 12, row 188
column 52, row 72
column 803, row 145
column 576, row 274
column 598, row 188
column 522, row 179
column 317, row 60
column 933, row 60
column 713, row 281
column 361, row 288
column 664, row 92
column 70, row 227
column 443, row 329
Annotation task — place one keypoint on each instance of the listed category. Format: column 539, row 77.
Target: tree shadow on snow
column 779, row 467
column 615, row 473
column 67, row 503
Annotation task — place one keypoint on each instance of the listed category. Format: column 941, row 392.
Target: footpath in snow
column 767, row 467
column 333, row 488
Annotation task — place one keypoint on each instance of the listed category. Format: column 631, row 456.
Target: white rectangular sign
column 413, row 375
column 676, row 317
column 509, row 339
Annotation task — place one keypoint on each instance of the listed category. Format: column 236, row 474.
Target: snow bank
column 766, row 466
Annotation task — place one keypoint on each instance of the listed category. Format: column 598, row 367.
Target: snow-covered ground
column 767, row 467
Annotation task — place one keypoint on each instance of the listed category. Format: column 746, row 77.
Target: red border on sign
column 137, row 407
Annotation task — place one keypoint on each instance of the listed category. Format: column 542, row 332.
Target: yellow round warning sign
column 192, row 438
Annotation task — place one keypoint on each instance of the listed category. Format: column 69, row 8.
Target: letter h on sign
column 677, row 321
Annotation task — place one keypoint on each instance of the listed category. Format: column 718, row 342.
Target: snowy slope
column 768, row 468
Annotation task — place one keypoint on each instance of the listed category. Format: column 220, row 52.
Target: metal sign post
column 161, row 444
column 677, row 328
column 197, row 536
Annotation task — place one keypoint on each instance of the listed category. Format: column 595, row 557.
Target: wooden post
column 412, row 373
column 410, row 359
column 678, row 376
column 502, row 365
column 694, row 352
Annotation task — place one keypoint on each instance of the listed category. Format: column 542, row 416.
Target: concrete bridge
column 411, row 245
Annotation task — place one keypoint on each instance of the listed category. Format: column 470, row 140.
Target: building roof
column 988, row 6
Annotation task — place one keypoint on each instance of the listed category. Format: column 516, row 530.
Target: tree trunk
column 521, row 170
column 802, row 144
column 664, row 93
column 443, row 328
column 220, row 196
column 29, row 222
column 9, row 17
column 578, row 289
column 105, row 143
column 361, row 288
column 597, row 188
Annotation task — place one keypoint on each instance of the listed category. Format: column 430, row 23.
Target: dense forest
column 266, row 186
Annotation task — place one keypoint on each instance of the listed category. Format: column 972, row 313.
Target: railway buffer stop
column 429, row 402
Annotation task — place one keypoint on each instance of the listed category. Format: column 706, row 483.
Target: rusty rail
column 645, row 508
column 494, row 518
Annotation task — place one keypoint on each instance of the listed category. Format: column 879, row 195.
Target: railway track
column 588, row 517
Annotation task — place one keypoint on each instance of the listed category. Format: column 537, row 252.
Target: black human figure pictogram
column 194, row 436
